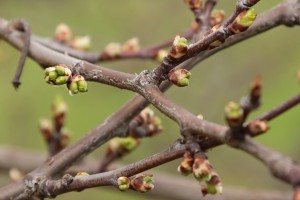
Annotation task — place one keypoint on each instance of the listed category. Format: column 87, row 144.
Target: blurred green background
column 216, row 81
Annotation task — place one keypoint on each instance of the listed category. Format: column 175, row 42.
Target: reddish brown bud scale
column 255, row 88
column 186, row 165
column 194, row 5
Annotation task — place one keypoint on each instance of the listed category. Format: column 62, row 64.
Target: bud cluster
column 57, row 75
column 63, row 34
column 179, row 77
column 78, row 84
column 203, row 171
column 145, row 124
column 61, row 74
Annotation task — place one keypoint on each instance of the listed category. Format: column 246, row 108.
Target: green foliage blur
column 224, row 77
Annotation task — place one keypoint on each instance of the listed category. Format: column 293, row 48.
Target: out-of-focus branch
column 166, row 186
column 281, row 166
column 93, row 57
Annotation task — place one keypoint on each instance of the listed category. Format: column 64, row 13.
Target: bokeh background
column 224, row 77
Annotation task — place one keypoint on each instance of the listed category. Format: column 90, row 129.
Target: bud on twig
column 179, row 48
column 62, row 33
column 112, row 50
column 123, row 183
column 15, row 174
column 256, row 127
column 46, row 129
column 78, row 84
column 145, row 124
column 206, row 175
column 161, row 54
column 213, row 186
column 217, row 17
column 200, row 116
column 179, row 77
column 122, row 146
column 79, row 174
column 131, row 45
column 57, row 75
column 81, row 43
column 59, row 107
column 243, row 21
column 194, row 4
column 186, row 165
column 255, row 89
column 201, row 167
column 234, row 114
column 142, row 183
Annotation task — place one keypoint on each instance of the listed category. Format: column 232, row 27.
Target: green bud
column 82, row 86
column 182, row 42
column 211, row 189
column 53, row 75
column 183, row 82
column 148, row 179
column 61, row 80
column 123, row 183
column 179, row 77
column 247, row 19
column 234, row 114
column 129, row 143
column 60, row 69
column 73, row 87
column 47, row 79
column 49, row 69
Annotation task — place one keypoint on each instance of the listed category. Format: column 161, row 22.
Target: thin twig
column 24, row 27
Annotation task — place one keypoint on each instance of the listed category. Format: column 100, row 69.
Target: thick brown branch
column 54, row 188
